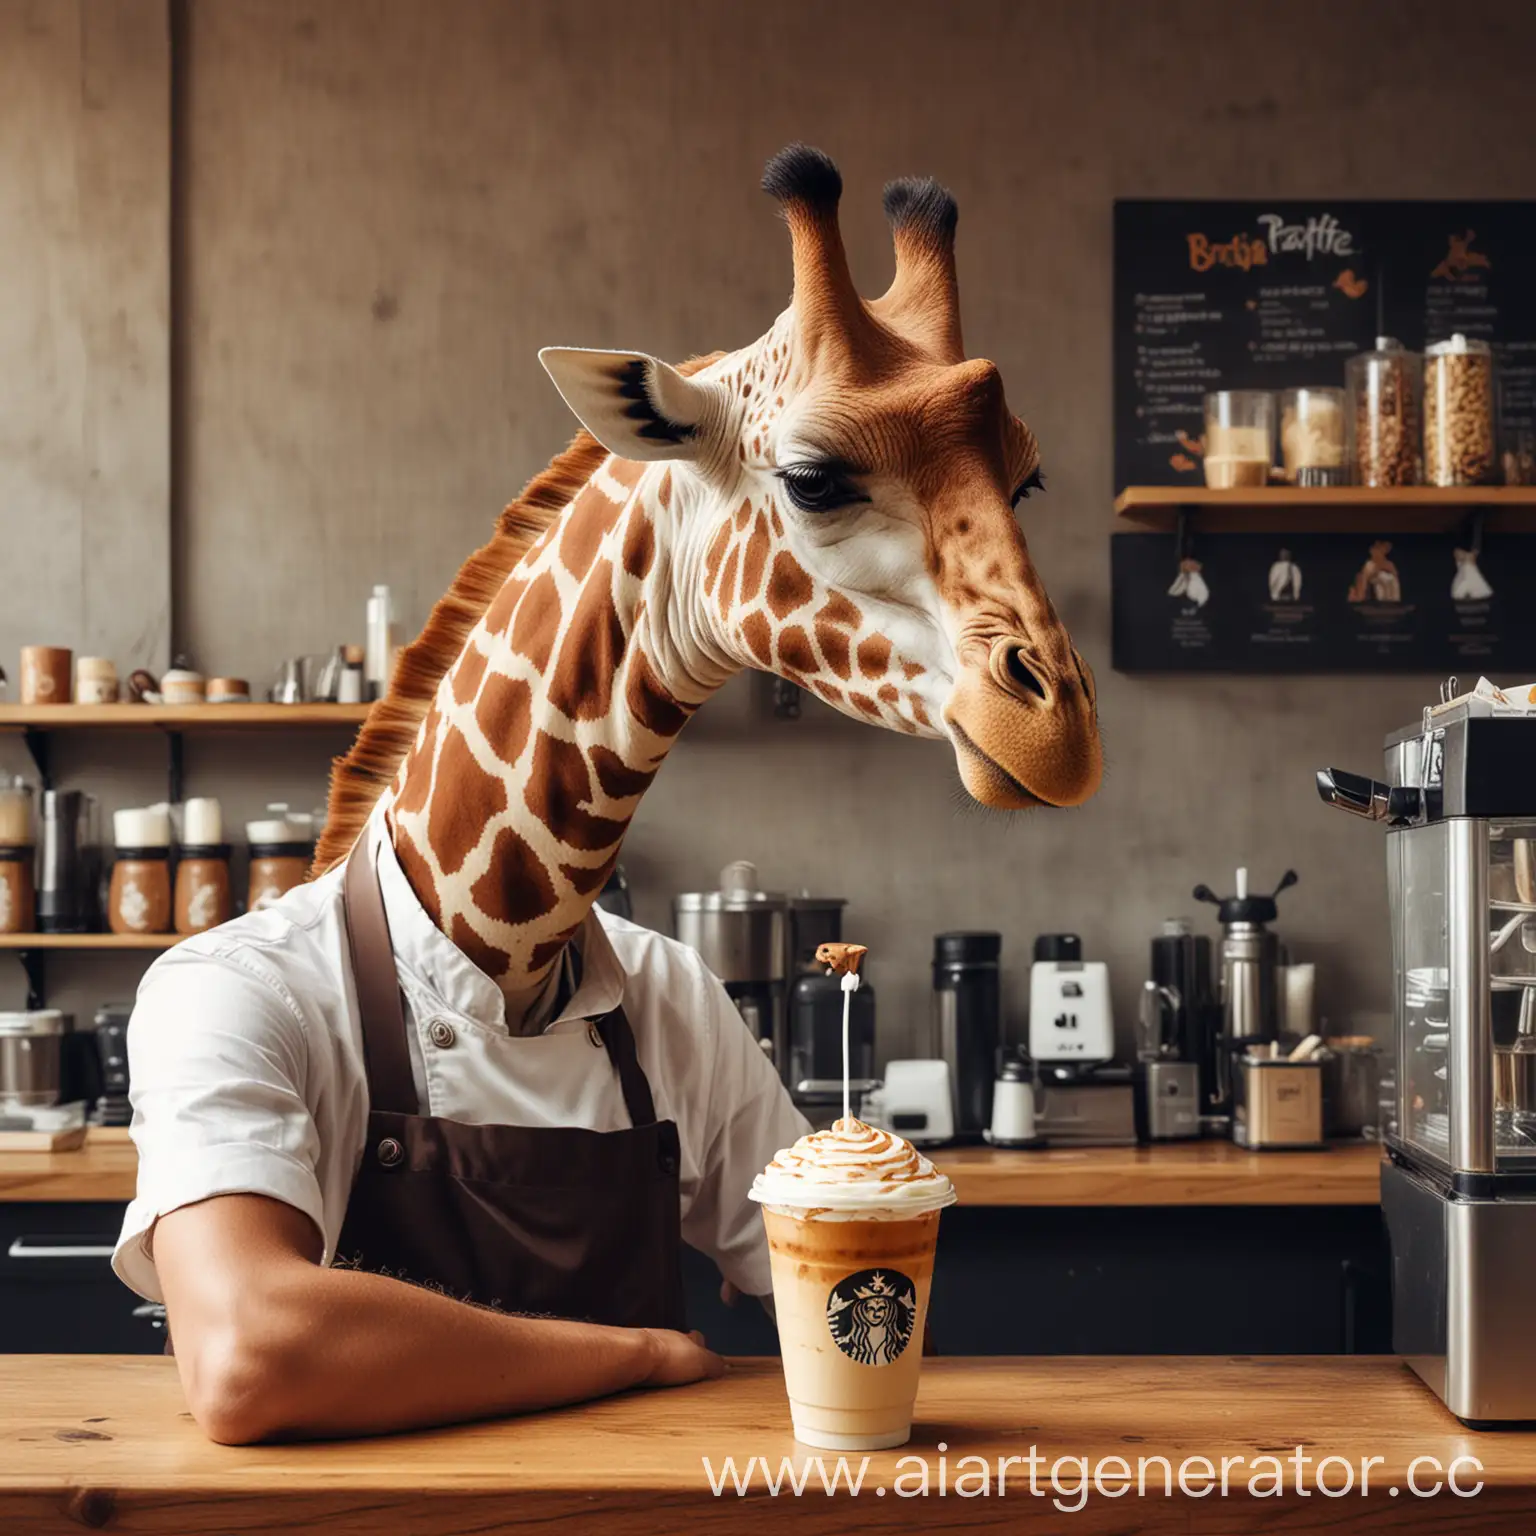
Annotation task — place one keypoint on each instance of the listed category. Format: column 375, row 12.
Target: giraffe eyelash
column 1035, row 482
column 819, row 487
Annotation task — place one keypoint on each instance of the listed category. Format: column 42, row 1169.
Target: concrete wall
column 389, row 206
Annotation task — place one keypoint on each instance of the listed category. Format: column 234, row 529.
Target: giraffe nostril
column 1021, row 675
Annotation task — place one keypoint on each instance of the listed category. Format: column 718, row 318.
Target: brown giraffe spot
column 795, row 651
column 418, row 875
column 664, row 491
column 867, row 704
column 757, row 446
column 626, row 471
column 639, row 545
column 727, row 593
column 831, row 694
column 834, row 646
column 516, row 888
column 650, row 701
column 889, row 694
column 755, row 560
column 581, row 685
column 491, row 960
column 467, row 672
column 618, row 780
column 874, row 656
column 777, row 521
column 911, row 669
column 537, row 619
column 587, row 882
column 466, row 798
column 918, row 712
column 758, row 635
column 543, row 953
column 743, row 516
column 418, row 766
column 504, row 714
column 587, row 524
column 746, row 389
column 717, row 548
column 838, row 610
column 559, row 790
column 788, row 585
column 499, row 615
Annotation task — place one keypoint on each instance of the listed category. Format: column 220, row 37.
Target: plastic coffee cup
column 851, row 1298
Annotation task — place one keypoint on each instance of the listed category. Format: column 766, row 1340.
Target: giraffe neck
column 508, row 813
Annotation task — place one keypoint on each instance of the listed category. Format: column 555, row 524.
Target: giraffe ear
column 635, row 405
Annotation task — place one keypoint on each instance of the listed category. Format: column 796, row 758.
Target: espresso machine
column 1458, row 801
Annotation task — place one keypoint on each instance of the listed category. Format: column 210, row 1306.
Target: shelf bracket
column 1182, row 532
column 37, row 743
column 1472, row 531
column 35, row 963
column 175, row 767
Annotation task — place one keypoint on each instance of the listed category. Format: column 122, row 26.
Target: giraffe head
column 842, row 494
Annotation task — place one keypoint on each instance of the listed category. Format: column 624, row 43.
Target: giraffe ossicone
column 834, row 503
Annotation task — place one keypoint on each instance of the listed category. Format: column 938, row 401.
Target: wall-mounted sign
column 1276, row 295
column 1329, row 602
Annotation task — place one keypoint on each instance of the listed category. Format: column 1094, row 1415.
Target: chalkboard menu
column 1276, row 295
column 1323, row 602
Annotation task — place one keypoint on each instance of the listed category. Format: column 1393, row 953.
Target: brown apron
column 566, row 1222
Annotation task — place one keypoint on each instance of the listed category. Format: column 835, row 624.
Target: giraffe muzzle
column 1025, row 730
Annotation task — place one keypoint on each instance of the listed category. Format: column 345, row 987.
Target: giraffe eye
column 818, row 487
column 1035, row 482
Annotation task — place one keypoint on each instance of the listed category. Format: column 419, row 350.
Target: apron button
column 668, row 1163
column 390, row 1152
column 441, row 1033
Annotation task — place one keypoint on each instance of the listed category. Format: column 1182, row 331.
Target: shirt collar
column 457, row 982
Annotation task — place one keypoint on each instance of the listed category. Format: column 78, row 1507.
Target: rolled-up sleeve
column 217, row 1064
column 749, row 1116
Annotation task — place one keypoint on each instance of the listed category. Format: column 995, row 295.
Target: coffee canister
column 95, row 680
column 31, row 1058
column 139, row 898
column 281, row 849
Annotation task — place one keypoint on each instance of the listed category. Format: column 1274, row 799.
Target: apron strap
column 386, row 1054
column 620, row 1040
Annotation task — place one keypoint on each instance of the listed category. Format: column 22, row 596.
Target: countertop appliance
column 111, row 1040
column 1190, row 1031
column 1167, row 1088
column 968, row 1024
column 815, row 1077
column 1458, row 800
column 1070, row 1019
column 32, row 1058
column 741, row 931
column 1250, row 955
column 914, row 1101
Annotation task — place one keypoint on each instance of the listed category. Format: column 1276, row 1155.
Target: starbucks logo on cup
column 872, row 1314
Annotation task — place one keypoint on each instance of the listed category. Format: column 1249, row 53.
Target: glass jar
column 18, row 898
column 275, row 869
column 139, row 898
column 1459, row 412
column 1239, row 438
column 1312, row 436
column 203, row 899
column 1381, row 418
column 15, row 813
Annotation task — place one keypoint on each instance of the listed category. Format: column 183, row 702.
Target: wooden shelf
column 177, row 717
column 1327, row 509
column 36, row 941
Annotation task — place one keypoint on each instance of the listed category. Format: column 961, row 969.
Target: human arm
column 270, row 1344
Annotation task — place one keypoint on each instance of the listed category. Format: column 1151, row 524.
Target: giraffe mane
column 360, row 776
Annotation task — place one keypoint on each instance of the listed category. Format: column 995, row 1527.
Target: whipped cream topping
column 852, row 1169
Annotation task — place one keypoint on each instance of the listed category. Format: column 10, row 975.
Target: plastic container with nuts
column 1312, row 436
column 1381, row 417
column 1459, row 412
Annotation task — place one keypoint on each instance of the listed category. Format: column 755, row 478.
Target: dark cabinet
column 58, row 1294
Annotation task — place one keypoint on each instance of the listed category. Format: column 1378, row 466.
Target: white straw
column 850, row 986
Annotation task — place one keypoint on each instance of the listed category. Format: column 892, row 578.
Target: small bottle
column 350, row 687
column 381, row 643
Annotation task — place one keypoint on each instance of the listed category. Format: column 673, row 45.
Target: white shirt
column 245, row 1057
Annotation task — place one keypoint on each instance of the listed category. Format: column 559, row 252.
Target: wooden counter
column 1191, row 1173
column 105, row 1442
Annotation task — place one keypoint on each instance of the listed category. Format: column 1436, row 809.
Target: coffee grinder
column 1177, row 1067
column 1458, row 801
